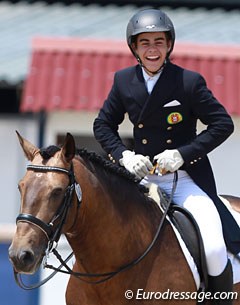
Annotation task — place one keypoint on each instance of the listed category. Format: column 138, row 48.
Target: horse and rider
column 109, row 222
column 164, row 102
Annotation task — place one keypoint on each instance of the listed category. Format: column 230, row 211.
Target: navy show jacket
column 158, row 126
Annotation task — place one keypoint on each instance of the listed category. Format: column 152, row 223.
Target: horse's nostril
column 26, row 257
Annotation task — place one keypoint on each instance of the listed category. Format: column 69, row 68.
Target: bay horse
column 108, row 223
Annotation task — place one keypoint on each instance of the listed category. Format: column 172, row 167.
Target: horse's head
column 45, row 192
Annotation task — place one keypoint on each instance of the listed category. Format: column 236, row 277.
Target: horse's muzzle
column 24, row 260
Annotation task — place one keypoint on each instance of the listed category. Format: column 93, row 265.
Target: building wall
column 13, row 166
column 12, row 161
column 224, row 158
column 225, row 163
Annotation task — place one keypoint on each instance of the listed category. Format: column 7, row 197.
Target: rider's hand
column 138, row 165
column 169, row 160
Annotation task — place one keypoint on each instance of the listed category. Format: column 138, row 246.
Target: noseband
column 52, row 234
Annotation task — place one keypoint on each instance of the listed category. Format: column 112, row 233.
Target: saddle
column 189, row 231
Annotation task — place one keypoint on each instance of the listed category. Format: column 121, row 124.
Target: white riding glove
column 169, row 161
column 138, row 165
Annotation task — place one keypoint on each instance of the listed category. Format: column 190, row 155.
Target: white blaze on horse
column 109, row 223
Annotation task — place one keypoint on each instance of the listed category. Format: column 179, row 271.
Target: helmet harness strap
column 145, row 68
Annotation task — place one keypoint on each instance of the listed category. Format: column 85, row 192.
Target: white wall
column 12, row 162
column 80, row 123
column 226, row 165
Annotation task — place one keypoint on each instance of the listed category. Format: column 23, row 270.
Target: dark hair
column 167, row 34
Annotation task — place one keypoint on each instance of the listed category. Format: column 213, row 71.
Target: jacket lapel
column 138, row 88
column 162, row 91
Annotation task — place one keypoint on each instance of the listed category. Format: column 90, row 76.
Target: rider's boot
column 222, row 283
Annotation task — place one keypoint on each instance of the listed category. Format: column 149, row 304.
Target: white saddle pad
column 153, row 193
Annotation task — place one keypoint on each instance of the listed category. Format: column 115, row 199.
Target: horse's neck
column 109, row 231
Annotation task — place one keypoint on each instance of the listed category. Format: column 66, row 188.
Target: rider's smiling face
column 152, row 49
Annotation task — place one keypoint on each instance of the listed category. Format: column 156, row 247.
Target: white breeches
column 197, row 202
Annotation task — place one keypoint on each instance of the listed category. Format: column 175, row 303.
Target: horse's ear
column 28, row 148
column 68, row 149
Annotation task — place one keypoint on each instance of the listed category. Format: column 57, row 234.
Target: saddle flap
column 189, row 231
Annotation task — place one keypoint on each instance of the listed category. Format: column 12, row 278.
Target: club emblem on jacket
column 174, row 118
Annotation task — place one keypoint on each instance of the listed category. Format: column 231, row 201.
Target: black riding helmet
column 149, row 20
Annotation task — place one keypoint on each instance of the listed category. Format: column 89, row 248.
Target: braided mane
column 106, row 164
column 97, row 159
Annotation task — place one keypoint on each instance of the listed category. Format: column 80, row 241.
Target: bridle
column 52, row 231
column 54, row 235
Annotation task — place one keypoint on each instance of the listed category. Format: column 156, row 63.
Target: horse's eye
column 57, row 192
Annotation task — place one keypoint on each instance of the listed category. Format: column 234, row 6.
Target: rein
column 53, row 237
column 109, row 275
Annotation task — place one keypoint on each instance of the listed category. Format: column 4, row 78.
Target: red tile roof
column 77, row 74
